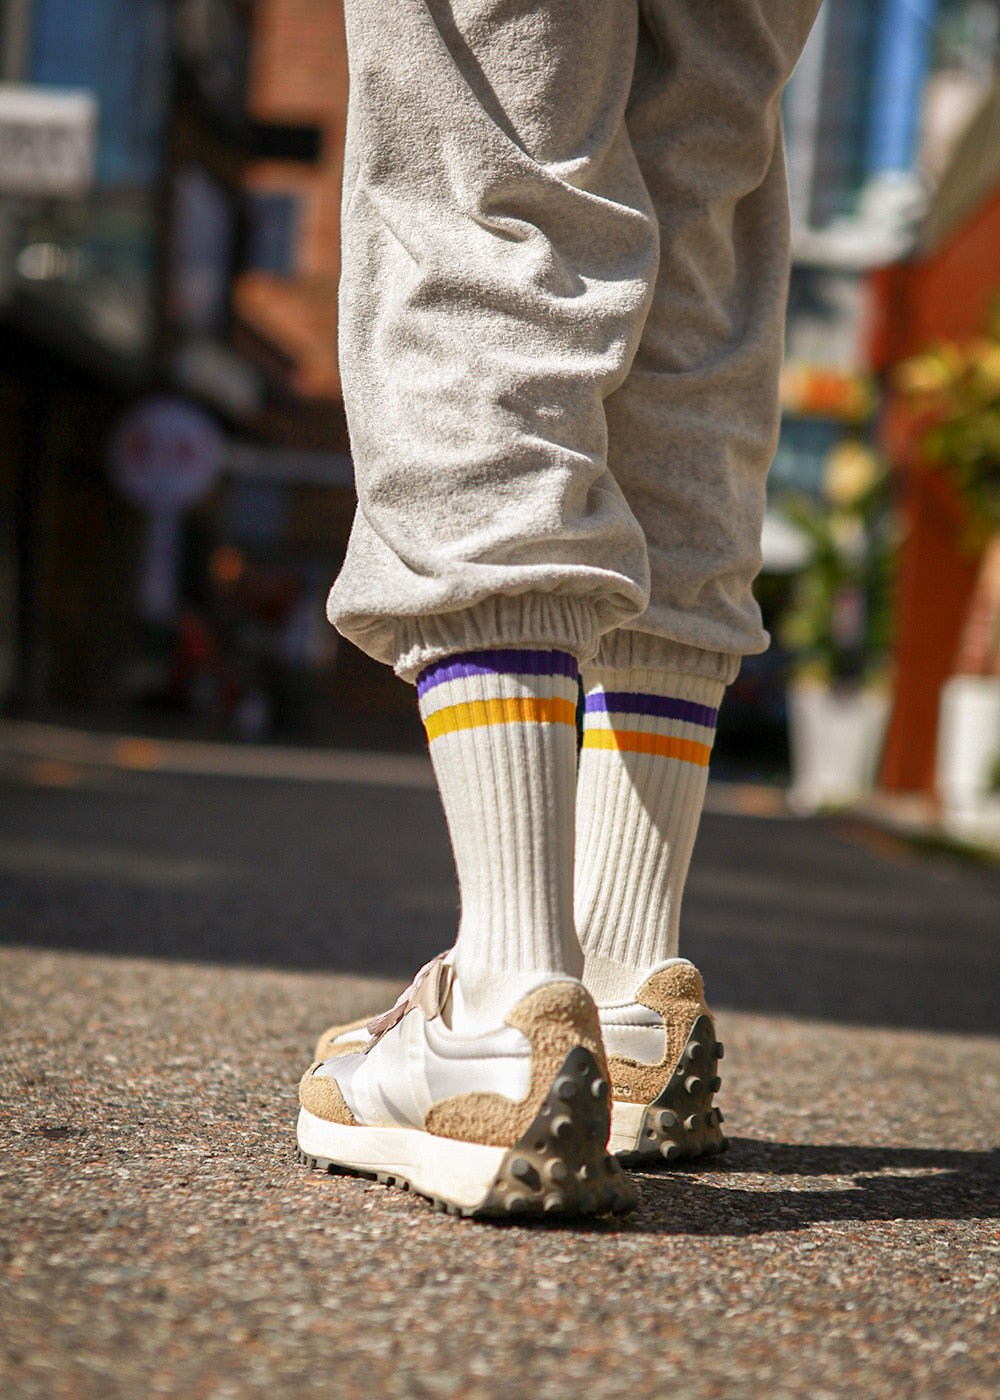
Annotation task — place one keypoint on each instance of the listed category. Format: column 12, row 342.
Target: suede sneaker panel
column 321, row 1095
column 555, row 1019
column 677, row 994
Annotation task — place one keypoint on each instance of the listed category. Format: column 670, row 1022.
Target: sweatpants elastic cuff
column 524, row 620
column 626, row 650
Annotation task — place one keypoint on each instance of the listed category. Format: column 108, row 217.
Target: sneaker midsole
column 460, row 1172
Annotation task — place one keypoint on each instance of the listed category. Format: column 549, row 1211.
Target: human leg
column 647, row 740
column 485, row 1087
column 499, row 251
column 691, row 434
column 502, row 732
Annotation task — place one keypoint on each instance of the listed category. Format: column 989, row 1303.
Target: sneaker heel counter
column 560, row 1165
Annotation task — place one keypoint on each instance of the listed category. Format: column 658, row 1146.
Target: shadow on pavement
column 802, row 918
column 842, row 1159
column 889, row 1184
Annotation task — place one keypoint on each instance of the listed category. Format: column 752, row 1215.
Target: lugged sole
column 681, row 1123
column 558, row 1167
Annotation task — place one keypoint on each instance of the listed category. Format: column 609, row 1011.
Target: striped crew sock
column 643, row 769
column 502, row 732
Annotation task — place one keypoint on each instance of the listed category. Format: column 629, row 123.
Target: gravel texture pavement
column 171, row 948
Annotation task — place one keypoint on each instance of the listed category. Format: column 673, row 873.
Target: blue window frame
column 274, row 232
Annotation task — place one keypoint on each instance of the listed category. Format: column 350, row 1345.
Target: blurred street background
column 218, row 826
column 176, row 486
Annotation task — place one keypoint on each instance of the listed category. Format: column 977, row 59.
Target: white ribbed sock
column 502, row 732
column 643, row 770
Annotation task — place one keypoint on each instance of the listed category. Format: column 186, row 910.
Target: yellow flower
column 851, row 470
column 931, row 372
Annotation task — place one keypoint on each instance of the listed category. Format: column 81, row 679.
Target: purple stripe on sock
column 492, row 663
column 661, row 706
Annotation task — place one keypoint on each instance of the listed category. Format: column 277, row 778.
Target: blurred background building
column 175, row 478
column 174, row 471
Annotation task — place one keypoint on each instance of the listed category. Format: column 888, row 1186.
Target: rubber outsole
column 682, row 1123
column 558, row 1167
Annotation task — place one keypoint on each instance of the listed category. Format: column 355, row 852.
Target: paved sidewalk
column 172, row 946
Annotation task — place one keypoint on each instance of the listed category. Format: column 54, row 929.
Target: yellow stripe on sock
column 476, row 714
column 664, row 745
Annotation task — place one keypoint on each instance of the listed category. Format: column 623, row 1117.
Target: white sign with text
column 48, row 141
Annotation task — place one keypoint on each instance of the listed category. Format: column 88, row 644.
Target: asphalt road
column 169, row 948
column 823, row 918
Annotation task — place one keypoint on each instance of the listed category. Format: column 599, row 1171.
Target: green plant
column 956, row 387
column 838, row 623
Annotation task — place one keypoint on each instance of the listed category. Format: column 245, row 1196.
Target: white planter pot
column 968, row 752
column 835, row 736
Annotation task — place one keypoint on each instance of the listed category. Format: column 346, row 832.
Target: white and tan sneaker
column 662, row 1060
column 663, row 1064
column 509, row 1120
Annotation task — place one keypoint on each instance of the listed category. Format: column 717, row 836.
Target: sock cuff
column 498, row 664
column 668, row 694
column 651, row 712
column 483, row 689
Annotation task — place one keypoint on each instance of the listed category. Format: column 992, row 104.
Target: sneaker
column 663, row 1064
column 511, row 1120
column 663, row 1061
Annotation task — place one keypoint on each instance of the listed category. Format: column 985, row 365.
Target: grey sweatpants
column 565, row 256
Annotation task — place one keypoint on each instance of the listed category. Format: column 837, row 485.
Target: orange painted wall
column 934, row 582
column 943, row 297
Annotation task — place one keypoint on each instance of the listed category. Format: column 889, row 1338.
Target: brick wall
column 298, row 77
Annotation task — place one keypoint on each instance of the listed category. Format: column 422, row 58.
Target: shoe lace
column 378, row 1025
